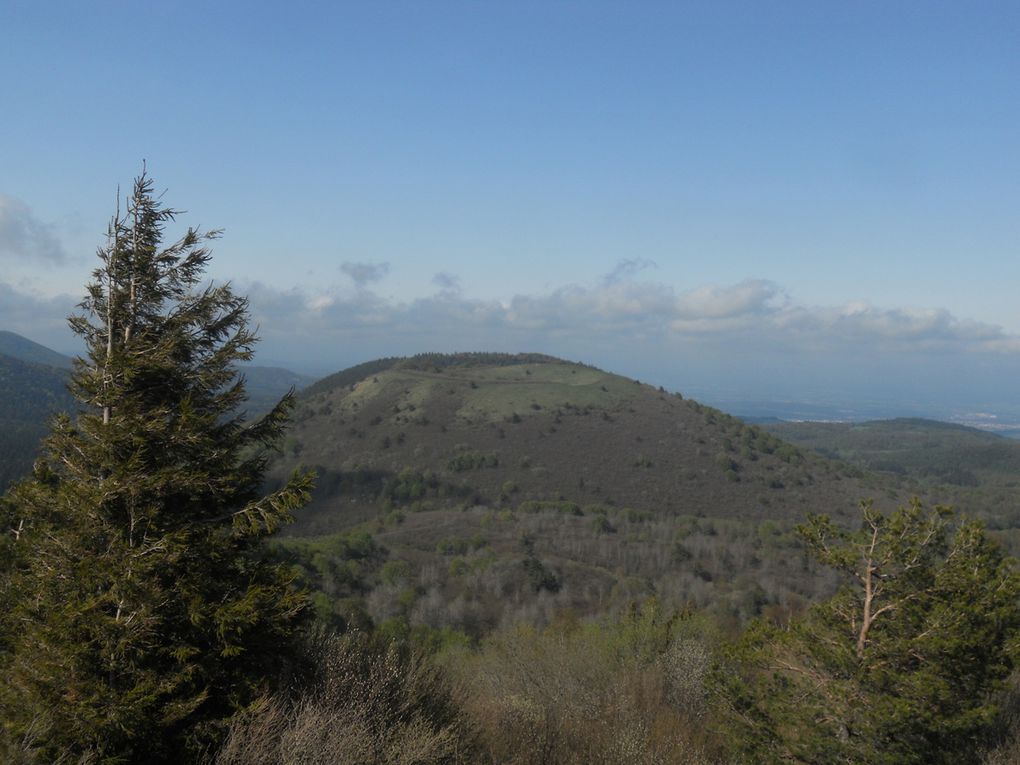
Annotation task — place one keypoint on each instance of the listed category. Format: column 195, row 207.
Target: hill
column 552, row 429
column 29, row 395
column 500, row 487
column 33, row 381
column 23, row 349
column 266, row 385
column 976, row 471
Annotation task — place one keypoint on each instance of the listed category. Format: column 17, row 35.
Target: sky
column 742, row 200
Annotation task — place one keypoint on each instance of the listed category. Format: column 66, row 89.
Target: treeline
column 440, row 361
column 463, row 555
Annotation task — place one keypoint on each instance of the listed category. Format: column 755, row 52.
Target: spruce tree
column 140, row 608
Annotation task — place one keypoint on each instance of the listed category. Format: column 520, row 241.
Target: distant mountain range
column 33, row 380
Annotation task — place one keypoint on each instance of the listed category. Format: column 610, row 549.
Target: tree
column 141, row 608
column 901, row 665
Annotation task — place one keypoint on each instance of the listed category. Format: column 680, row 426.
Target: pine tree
column 901, row 665
column 141, row 609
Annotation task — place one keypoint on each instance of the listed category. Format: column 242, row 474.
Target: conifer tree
column 140, row 610
column 901, row 666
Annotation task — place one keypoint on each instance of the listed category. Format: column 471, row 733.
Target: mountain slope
column 507, row 487
column 23, row 349
column 29, row 395
column 266, row 385
column 555, row 429
column 972, row 469
column 33, row 382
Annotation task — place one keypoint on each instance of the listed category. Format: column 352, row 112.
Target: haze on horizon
column 745, row 201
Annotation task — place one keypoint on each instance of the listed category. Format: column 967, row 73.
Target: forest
column 466, row 582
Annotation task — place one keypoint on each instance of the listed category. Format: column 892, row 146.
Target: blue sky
column 770, row 196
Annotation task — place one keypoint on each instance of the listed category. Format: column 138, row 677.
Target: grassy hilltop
column 474, row 489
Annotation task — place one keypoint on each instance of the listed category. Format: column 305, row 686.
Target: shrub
column 363, row 702
column 472, row 461
column 628, row 691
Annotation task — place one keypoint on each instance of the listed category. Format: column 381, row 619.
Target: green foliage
column 339, row 569
column 452, row 546
column 789, row 453
column 900, row 665
column 539, row 575
column 139, row 607
column 600, row 525
column 472, row 461
column 395, row 572
column 410, row 485
column 338, row 558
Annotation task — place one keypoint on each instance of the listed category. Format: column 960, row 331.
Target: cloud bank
column 750, row 337
column 618, row 308
column 24, row 237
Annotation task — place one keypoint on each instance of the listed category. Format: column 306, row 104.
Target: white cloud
column 25, row 237
column 617, row 309
column 752, row 297
column 895, row 329
column 620, row 314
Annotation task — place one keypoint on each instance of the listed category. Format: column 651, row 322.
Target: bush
column 629, row 691
column 472, row 461
column 540, row 577
column 362, row 702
